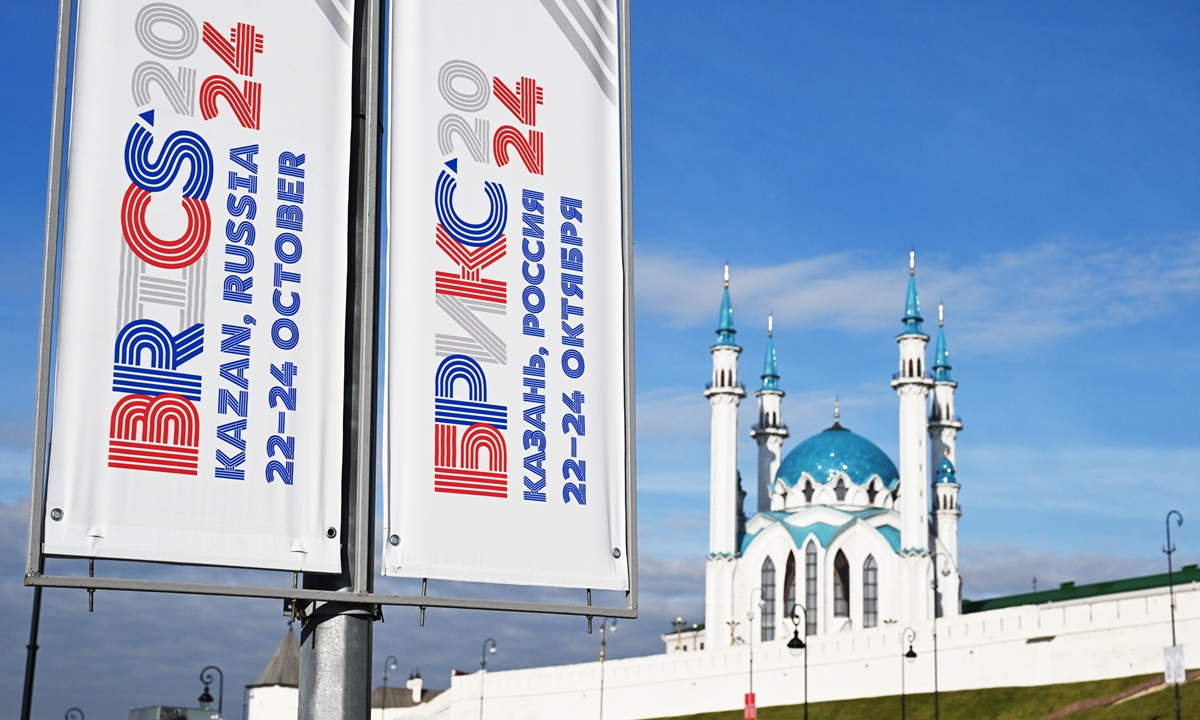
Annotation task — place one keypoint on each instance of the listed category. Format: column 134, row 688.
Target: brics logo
column 160, row 434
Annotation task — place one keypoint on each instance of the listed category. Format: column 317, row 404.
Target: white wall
column 273, row 703
column 1107, row 637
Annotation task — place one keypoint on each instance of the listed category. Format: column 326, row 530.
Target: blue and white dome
column 837, row 450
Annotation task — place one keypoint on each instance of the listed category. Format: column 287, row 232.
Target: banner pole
column 336, row 638
column 35, row 563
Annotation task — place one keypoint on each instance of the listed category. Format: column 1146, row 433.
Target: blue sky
column 1043, row 160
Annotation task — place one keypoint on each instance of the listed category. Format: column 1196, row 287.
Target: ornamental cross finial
column 771, row 325
column 912, row 262
column 941, row 316
column 726, row 274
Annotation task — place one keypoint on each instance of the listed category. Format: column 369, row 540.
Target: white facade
column 1110, row 636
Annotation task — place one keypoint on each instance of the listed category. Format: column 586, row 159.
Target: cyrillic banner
column 506, row 403
column 198, row 393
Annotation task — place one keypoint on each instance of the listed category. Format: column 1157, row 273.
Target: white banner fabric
column 506, row 412
column 197, row 415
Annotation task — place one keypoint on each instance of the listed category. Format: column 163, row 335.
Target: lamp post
column 1169, row 549
column 483, row 669
column 796, row 646
column 750, row 699
column 206, row 698
column 678, row 632
column 603, row 642
column 73, row 714
column 388, row 664
column 945, row 571
column 908, row 636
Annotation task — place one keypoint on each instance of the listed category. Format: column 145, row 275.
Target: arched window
column 870, row 593
column 810, row 588
column 840, row 489
column 841, row 586
column 768, row 598
column 808, row 491
column 920, row 370
column 910, row 368
column 789, row 587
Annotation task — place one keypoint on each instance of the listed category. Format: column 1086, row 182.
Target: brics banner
column 507, row 375
column 197, row 415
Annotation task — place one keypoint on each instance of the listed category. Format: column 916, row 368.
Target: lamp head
column 492, row 650
column 910, row 656
column 795, row 645
column 205, row 698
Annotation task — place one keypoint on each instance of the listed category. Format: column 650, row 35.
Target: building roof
column 837, row 450
column 945, row 471
column 941, row 366
column 1071, row 591
column 770, row 373
column 283, row 669
column 912, row 306
column 725, row 331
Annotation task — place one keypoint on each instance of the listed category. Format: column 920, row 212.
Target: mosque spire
column 941, row 367
column 912, row 306
column 770, row 375
column 725, row 331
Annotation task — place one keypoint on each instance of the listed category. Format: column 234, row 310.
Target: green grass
column 1028, row 703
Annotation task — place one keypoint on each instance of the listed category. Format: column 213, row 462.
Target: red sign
column 751, row 710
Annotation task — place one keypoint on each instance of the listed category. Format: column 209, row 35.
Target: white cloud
column 1003, row 301
column 991, row 570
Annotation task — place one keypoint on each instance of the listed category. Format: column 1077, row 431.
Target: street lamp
column 206, row 698
column 750, row 621
column 1169, row 549
column 796, row 646
column 73, row 714
column 908, row 636
column 678, row 632
column 945, row 571
column 603, row 642
column 388, row 664
column 483, row 669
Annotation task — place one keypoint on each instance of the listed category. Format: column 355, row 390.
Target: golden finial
column 941, row 315
column 945, row 451
column 771, row 325
column 726, row 274
column 912, row 262
column 837, row 413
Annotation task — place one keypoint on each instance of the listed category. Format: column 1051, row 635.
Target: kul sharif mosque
column 841, row 533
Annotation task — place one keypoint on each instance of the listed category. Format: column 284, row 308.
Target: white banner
column 506, row 410
column 198, row 395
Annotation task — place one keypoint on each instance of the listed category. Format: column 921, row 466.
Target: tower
column 946, row 513
column 944, row 424
column 913, row 387
column 724, row 393
column 770, row 431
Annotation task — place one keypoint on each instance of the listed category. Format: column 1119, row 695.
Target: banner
column 197, row 415
column 507, row 348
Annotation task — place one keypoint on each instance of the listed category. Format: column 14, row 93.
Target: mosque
column 842, row 539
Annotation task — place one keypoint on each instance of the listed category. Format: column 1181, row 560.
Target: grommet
column 56, row 514
column 331, row 532
column 394, row 540
column 616, row 552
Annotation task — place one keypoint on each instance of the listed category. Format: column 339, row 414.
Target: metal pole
column 1169, row 549
column 908, row 636
column 335, row 637
column 35, row 564
column 31, row 654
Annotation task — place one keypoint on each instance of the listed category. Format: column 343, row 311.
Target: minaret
column 946, row 513
column 913, row 388
column 944, row 425
column 770, row 430
column 724, row 393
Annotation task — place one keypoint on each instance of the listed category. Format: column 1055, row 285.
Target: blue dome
column 837, row 450
column 945, row 471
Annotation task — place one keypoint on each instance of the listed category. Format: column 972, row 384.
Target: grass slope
column 1026, row 703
